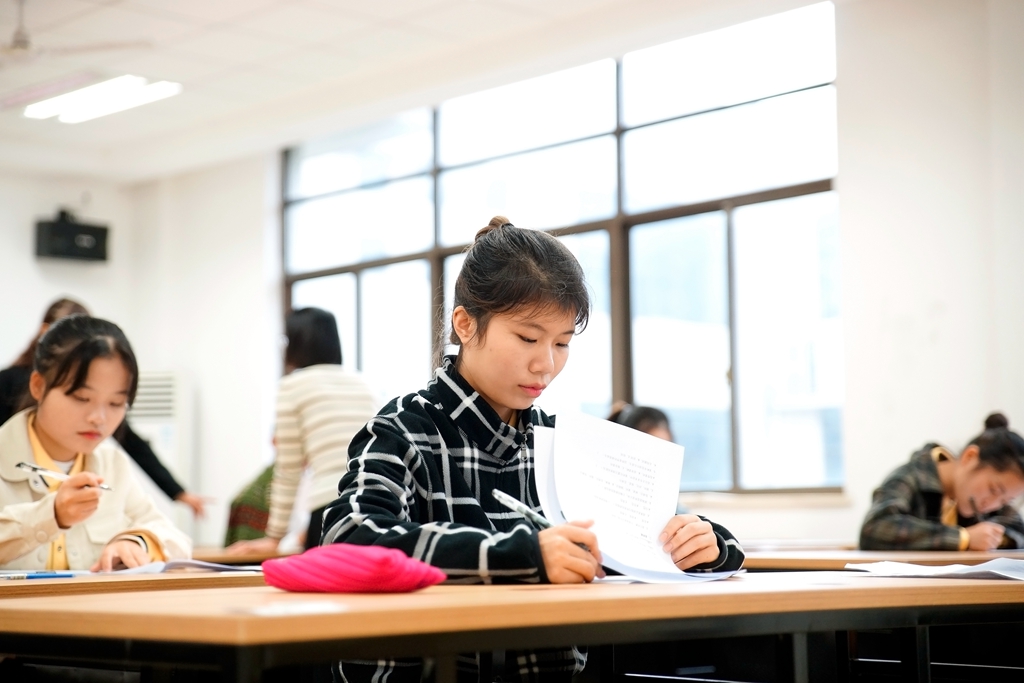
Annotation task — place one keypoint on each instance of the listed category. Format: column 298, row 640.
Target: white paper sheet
column 544, row 472
column 623, row 479
column 1000, row 568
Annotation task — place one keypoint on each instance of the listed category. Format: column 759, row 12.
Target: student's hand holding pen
column 690, row 541
column 566, row 560
column 985, row 536
column 77, row 498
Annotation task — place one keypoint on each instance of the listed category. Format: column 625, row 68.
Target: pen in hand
column 518, row 506
column 59, row 476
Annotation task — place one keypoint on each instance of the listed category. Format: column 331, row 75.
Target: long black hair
column 69, row 347
column 998, row 446
column 60, row 308
column 312, row 338
column 509, row 269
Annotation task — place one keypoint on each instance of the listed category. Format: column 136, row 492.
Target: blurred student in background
column 14, row 395
column 642, row 418
column 940, row 501
column 83, row 380
column 320, row 407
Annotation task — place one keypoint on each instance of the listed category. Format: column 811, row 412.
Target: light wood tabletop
column 219, row 555
column 801, row 560
column 113, row 583
column 255, row 616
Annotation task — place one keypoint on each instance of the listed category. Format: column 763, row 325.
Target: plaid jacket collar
column 925, row 470
column 475, row 417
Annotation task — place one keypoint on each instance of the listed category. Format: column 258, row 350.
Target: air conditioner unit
column 161, row 414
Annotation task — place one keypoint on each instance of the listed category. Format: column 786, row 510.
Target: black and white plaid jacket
column 419, row 479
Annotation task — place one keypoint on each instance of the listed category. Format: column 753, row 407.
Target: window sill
column 761, row 501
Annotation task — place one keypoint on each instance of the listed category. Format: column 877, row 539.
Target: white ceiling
column 246, row 60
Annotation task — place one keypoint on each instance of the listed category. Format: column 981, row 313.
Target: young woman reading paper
column 421, row 472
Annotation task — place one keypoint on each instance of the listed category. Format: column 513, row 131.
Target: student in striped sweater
column 421, row 473
column 320, row 407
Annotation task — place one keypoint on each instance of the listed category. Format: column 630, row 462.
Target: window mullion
column 733, row 388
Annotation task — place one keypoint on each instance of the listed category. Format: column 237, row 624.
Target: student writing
column 939, row 501
column 83, row 380
column 14, row 393
column 421, row 472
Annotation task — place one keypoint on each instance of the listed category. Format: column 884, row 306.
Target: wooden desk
column 830, row 560
column 106, row 583
column 246, row 630
column 218, row 555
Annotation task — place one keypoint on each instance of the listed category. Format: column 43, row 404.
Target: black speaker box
column 67, row 238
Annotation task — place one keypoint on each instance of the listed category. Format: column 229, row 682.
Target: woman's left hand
column 690, row 541
column 127, row 553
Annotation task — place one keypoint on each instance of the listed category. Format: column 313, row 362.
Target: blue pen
column 38, row 575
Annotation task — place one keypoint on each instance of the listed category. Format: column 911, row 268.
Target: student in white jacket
column 83, row 380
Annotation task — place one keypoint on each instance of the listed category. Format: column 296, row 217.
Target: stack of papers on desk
column 1001, row 568
column 623, row 479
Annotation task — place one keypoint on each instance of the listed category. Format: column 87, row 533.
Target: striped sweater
column 419, row 479
column 319, row 409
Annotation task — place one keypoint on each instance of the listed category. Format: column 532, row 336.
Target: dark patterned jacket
column 419, row 479
column 907, row 509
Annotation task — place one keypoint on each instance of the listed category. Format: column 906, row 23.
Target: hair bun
column 496, row 222
column 996, row 421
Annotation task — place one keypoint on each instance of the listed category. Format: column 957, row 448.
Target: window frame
column 617, row 226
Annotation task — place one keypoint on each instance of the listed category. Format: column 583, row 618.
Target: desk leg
column 801, row 670
column 243, row 665
column 844, row 655
column 915, row 654
column 444, row 669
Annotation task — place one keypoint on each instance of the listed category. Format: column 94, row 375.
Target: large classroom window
column 692, row 180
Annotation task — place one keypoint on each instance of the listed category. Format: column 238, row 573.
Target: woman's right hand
column 985, row 536
column 564, row 560
column 77, row 498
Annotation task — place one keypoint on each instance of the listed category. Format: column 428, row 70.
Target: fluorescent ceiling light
column 108, row 97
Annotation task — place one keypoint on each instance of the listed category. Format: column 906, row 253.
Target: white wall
column 207, row 250
column 1006, row 76
column 29, row 284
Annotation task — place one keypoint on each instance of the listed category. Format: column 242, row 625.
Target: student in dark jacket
column 421, row 472
column 939, row 501
column 14, row 397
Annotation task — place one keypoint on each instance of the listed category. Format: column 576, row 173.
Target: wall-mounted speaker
column 65, row 237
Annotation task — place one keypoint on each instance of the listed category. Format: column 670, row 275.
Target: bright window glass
column 395, row 334
column 360, row 225
column 772, row 143
column 336, row 294
column 585, row 383
column 558, row 107
column 789, row 351
column 760, row 58
column 397, row 147
column 452, row 266
column 555, row 187
column 680, row 306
